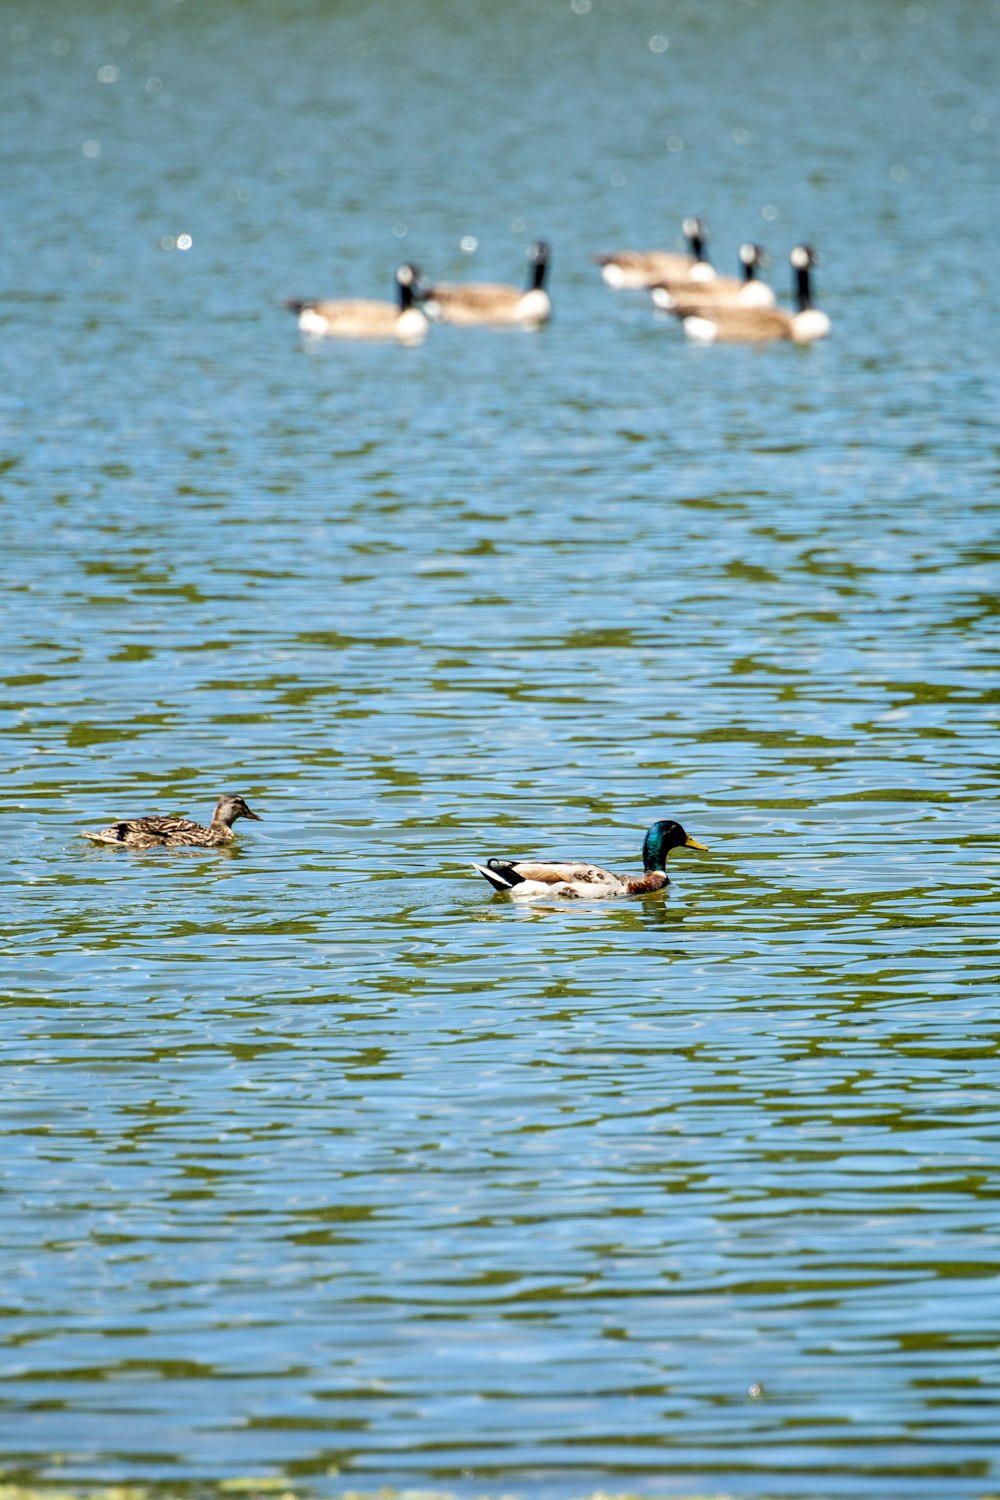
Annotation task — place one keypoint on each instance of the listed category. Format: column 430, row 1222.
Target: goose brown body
column 365, row 317
column 484, row 302
column 728, row 324
column 155, row 831
column 631, row 270
column 634, row 269
column 719, row 291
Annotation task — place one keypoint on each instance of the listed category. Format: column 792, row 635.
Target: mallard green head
column 661, row 838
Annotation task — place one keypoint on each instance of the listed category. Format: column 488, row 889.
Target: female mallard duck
column 493, row 302
column 721, row 291
column 177, row 833
column 365, row 318
column 705, row 324
column 640, row 269
column 527, row 879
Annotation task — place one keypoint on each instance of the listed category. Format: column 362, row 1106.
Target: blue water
column 321, row 1163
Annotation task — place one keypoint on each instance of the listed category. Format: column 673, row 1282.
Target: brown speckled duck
column 177, row 833
column 528, row 879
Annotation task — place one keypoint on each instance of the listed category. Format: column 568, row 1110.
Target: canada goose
column 705, row 324
column 364, row 318
column 491, row 301
column 726, row 291
column 527, row 879
column 177, row 833
column 632, row 269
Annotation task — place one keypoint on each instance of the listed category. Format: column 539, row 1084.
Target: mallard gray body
column 528, row 879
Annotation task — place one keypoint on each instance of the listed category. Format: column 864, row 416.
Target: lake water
column 320, row 1163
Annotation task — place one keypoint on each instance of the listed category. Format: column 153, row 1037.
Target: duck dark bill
column 157, row 832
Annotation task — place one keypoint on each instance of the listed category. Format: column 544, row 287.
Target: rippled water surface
column 320, row 1161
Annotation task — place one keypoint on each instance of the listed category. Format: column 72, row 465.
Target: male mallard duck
column 721, row 291
column 632, row 269
column 365, row 318
column 527, row 879
column 705, row 324
column 177, row 833
column 492, row 301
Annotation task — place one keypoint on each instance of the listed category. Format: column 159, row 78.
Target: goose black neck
column 536, row 273
column 803, row 291
column 405, row 295
column 748, row 270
